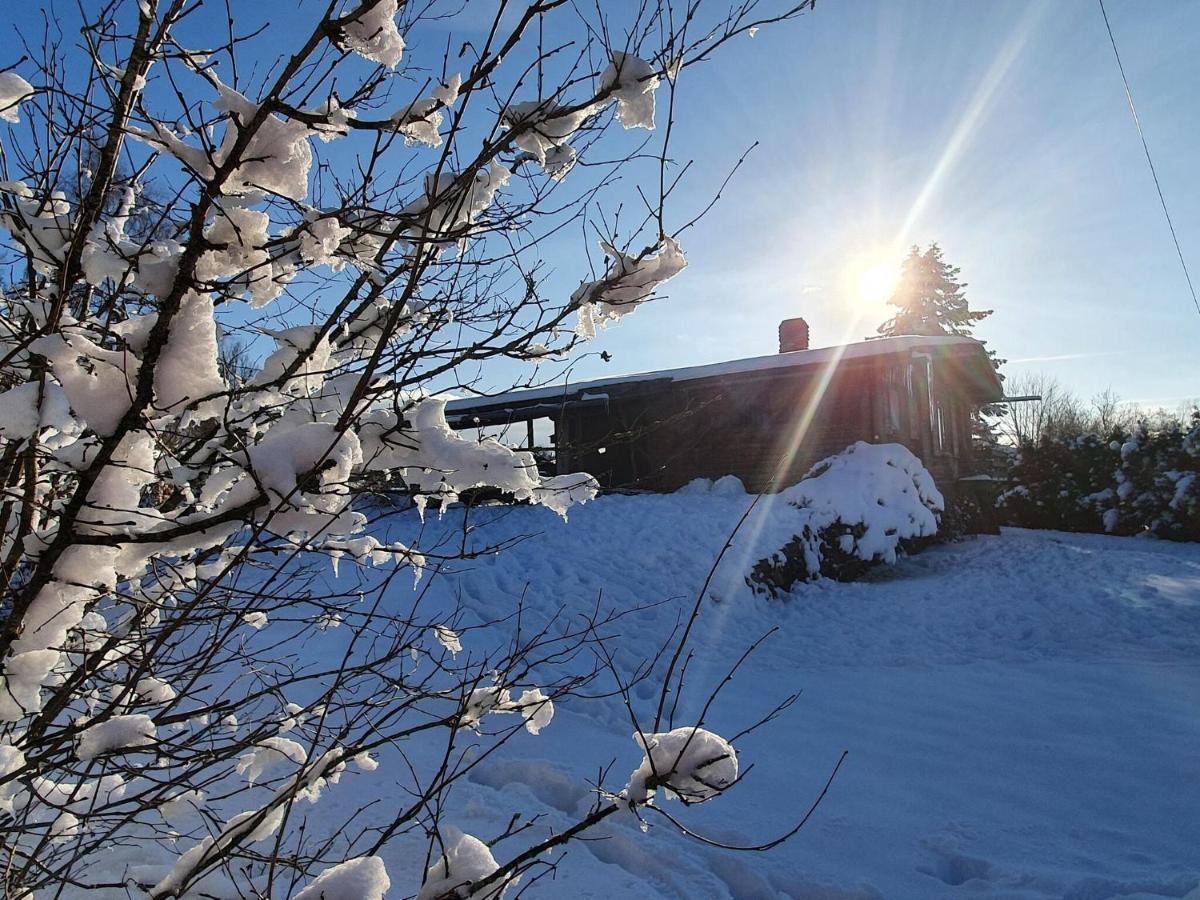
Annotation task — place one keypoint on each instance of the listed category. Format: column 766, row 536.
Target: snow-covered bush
column 969, row 513
column 1145, row 481
column 181, row 674
column 1157, row 483
column 851, row 511
column 1059, row 482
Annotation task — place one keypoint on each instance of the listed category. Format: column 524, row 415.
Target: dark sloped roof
column 553, row 396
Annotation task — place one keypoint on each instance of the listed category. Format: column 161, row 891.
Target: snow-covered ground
column 1022, row 712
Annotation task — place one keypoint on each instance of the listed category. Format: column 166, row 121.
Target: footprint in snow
column 953, row 868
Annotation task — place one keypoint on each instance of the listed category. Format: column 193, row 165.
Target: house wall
column 661, row 436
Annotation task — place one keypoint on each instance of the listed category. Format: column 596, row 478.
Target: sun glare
column 877, row 282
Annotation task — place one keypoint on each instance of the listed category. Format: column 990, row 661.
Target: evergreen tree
column 931, row 301
column 930, row 298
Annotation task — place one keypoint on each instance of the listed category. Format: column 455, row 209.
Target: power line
column 1138, row 122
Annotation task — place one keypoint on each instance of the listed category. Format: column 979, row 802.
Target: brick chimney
column 793, row 335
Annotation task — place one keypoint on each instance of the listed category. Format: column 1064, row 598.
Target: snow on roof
column 793, row 359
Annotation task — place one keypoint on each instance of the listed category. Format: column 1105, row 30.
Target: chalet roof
column 596, row 388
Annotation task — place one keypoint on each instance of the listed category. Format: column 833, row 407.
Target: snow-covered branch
column 232, row 295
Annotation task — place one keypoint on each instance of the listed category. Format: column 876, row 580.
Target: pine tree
column 931, row 301
column 930, row 298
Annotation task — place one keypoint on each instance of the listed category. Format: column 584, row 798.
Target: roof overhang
column 551, row 400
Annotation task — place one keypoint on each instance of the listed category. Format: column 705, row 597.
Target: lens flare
column 877, row 282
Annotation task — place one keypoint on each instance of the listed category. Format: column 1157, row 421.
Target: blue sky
column 999, row 130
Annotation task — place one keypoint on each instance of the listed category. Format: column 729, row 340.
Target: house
column 766, row 419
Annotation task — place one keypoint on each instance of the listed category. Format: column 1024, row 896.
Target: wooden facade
column 765, row 420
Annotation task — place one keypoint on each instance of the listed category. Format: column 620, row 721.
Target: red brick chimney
column 793, row 335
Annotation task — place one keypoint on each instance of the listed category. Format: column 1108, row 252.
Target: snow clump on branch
column 629, row 282
column 690, row 764
column 453, row 202
column 421, row 122
column 543, row 128
column 373, row 34
column 271, row 753
column 535, row 707
column 119, row 733
column 277, row 156
column 429, row 454
column 633, row 82
column 13, row 89
column 363, row 878
column 465, row 860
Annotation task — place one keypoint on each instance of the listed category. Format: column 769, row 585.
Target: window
column 893, row 406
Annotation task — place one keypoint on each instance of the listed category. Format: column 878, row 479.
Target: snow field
column 1020, row 711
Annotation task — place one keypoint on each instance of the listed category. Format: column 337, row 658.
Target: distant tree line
column 1059, row 412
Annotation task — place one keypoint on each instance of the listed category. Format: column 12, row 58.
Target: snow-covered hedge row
column 850, row 512
column 1055, row 483
column 1144, row 482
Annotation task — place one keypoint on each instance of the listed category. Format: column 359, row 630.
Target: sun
column 876, row 283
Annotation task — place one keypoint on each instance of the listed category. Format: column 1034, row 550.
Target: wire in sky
column 1138, row 122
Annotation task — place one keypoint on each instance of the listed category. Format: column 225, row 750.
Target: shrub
column 1142, row 482
column 965, row 516
column 852, row 511
column 1059, row 483
column 1157, row 483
